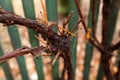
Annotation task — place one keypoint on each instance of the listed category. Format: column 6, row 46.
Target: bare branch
column 116, row 46
column 80, row 14
column 20, row 52
column 11, row 19
column 56, row 42
column 92, row 40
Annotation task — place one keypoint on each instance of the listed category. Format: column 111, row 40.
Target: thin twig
column 56, row 57
column 116, row 46
column 80, row 14
column 20, row 52
column 55, row 41
column 67, row 20
column 92, row 40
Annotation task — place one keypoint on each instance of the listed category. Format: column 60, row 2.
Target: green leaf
column 29, row 12
column 89, row 46
column 6, row 67
column 72, row 23
column 51, row 6
column 15, row 39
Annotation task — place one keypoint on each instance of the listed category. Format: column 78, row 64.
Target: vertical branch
column 106, row 14
column 68, row 66
column 105, row 57
column 109, row 26
column 93, row 16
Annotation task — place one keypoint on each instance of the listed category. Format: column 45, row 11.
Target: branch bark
column 116, row 46
column 22, row 51
column 59, row 42
column 103, row 48
column 55, row 41
column 105, row 57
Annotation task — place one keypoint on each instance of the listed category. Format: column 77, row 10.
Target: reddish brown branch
column 20, row 52
column 105, row 17
column 94, row 17
column 55, row 41
column 80, row 14
column 116, row 46
column 102, row 48
column 11, row 19
column 105, row 57
column 92, row 40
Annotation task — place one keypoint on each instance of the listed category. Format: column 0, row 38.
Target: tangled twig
column 56, row 42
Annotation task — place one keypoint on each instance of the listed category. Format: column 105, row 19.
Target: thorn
column 52, row 24
column 68, row 31
column 23, row 47
column 41, row 21
column 67, row 20
column 56, row 57
column 44, row 12
column 35, row 56
column 43, row 42
column 76, row 25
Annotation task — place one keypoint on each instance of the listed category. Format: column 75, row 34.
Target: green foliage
column 89, row 47
column 51, row 6
column 72, row 23
column 63, row 6
column 6, row 67
column 88, row 57
column 15, row 39
column 29, row 12
column 113, row 19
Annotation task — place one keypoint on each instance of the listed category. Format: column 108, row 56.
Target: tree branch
column 92, row 40
column 116, row 46
column 56, row 42
column 106, row 54
column 11, row 19
column 22, row 51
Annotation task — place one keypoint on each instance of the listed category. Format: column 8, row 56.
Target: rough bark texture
column 60, row 42
column 106, row 57
column 55, row 41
